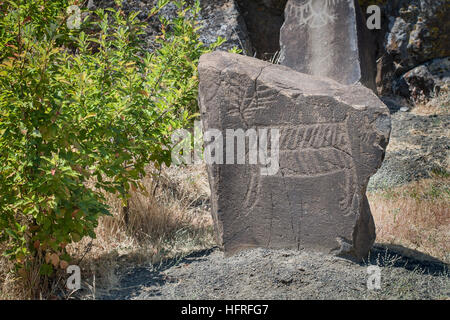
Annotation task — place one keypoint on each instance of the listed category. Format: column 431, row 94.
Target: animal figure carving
column 314, row 13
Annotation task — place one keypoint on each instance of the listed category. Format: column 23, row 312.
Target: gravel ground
column 419, row 145
column 283, row 274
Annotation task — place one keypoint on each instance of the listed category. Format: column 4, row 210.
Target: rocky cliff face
column 413, row 44
column 412, row 47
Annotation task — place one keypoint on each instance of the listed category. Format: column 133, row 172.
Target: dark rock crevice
column 263, row 19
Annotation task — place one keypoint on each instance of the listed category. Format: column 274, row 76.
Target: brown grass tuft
column 11, row 287
column 416, row 216
column 437, row 105
column 170, row 218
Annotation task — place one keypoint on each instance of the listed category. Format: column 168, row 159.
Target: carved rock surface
column 332, row 139
column 328, row 38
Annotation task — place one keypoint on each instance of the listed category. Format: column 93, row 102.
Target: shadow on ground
column 139, row 278
column 401, row 257
column 207, row 274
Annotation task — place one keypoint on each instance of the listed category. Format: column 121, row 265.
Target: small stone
column 404, row 109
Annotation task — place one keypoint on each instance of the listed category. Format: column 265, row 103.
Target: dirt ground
column 284, row 274
column 419, row 146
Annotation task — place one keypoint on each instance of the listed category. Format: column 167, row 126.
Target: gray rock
column 332, row 139
column 418, row 31
column 418, row 149
column 425, row 81
column 328, row 38
column 221, row 18
column 218, row 18
column 404, row 109
column 414, row 32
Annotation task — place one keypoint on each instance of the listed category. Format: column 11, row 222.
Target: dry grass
column 416, row 216
column 27, row 285
column 436, row 106
column 11, row 287
column 170, row 218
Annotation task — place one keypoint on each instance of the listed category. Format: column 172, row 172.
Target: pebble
column 404, row 109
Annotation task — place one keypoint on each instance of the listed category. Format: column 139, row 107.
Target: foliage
column 84, row 105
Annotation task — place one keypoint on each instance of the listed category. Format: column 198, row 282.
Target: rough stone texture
column 218, row 18
column 414, row 32
column 426, row 81
column 332, row 139
column 222, row 18
column 418, row 148
column 328, row 38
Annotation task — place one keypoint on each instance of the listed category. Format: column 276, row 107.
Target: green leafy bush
column 79, row 106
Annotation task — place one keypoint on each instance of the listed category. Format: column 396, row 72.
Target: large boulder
column 328, row 38
column 332, row 139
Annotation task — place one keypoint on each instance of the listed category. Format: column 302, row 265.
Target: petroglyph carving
column 314, row 13
column 328, row 38
column 315, row 136
column 329, row 147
